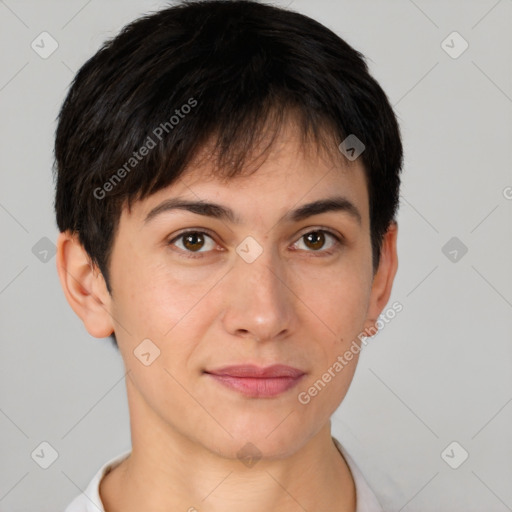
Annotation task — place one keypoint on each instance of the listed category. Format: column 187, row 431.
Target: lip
column 258, row 382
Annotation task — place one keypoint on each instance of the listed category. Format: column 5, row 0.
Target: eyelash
column 338, row 242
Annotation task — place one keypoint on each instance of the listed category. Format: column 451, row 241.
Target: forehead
column 271, row 183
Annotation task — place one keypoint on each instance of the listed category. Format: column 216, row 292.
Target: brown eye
column 193, row 241
column 318, row 241
column 315, row 239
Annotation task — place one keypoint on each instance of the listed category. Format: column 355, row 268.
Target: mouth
column 257, row 382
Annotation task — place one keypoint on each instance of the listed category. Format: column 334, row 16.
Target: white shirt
column 89, row 500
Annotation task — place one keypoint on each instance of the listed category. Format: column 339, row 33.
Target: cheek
column 338, row 298
column 161, row 303
column 341, row 306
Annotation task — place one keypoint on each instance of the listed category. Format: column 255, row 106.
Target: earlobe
column 383, row 279
column 84, row 286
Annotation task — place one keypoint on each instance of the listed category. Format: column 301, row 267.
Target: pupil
column 192, row 240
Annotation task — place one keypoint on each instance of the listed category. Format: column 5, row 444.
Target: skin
column 294, row 305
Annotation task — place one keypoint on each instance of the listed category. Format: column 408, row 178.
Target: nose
column 261, row 304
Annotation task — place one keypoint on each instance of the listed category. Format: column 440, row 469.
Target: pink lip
column 257, row 382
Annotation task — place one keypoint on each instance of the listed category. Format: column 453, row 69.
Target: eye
column 192, row 242
column 316, row 240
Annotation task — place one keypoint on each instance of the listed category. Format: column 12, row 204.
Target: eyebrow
column 217, row 211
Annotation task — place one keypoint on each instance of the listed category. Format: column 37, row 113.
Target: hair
column 216, row 74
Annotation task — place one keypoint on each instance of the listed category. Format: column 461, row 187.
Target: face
column 260, row 286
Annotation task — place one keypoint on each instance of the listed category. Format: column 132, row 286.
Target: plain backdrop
column 434, row 386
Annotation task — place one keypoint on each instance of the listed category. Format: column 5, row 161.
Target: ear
column 383, row 279
column 84, row 286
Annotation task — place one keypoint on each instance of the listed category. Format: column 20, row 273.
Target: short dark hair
column 221, row 71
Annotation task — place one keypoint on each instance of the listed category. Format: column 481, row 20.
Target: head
column 243, row 105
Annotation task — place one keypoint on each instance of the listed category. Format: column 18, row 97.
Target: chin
column 263, row 438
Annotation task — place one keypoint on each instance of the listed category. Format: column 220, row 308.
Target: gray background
column 441, row 371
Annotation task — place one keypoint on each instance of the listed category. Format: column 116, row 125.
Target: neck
column 168, row 471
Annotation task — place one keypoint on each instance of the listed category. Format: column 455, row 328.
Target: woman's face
column 259, row 280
